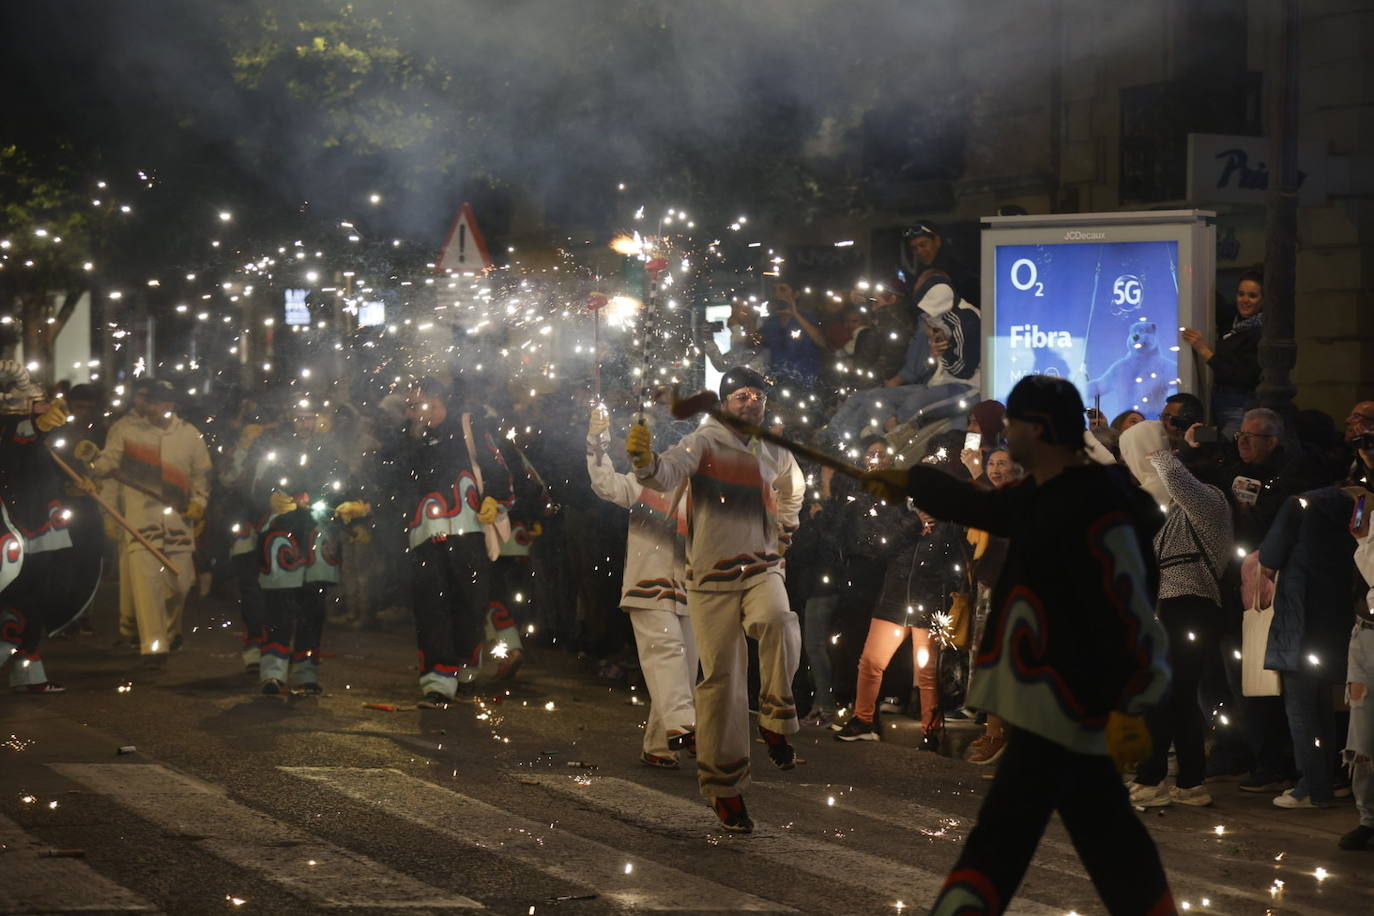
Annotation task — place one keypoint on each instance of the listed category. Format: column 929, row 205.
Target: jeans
column 1191, row 623
column 1359, row 741
column 1261, row 720
column 816, row 617
column 908, row 403
column 1036, row 778
column 1312, row 723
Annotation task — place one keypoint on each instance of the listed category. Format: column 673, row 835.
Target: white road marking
column 915, row 887
column 559, row 853
column 303, row 864
column 34, row 883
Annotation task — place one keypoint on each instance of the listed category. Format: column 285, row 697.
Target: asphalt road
column 233, row 802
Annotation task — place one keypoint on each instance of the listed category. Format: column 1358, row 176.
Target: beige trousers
column 721, row 620
column 151, row 598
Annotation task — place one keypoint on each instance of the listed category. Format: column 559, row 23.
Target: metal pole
column 1278, row 351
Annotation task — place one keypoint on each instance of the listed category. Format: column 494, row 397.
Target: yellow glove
column 353, row 508
column 639, row 444
column 359, row 534
column 599, row 423
column 53, row 417
column 281, row 503
column 250, row 434
column 86, row 451
column 86, row 485
column 535, row 530
column 1128, row 740
column 490, row 508
column 195, row 511
column 887, row 484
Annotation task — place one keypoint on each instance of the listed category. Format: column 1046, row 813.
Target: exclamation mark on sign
column 462, row 243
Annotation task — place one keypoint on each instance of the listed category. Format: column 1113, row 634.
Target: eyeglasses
column 1246, row 437
column 747, row 397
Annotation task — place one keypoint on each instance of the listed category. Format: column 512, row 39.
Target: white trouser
column 668, row 658
column 1359, row 742
column 721, row 621
column 151, row 598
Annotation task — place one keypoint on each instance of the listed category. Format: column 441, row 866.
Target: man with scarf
column 744, row 498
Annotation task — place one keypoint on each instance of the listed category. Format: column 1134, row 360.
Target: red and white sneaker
column 45, row 687
column 654, row 760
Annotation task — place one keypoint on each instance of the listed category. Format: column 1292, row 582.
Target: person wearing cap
column 925, row 249
column 880, row 354
column 162, row 470
column 301, row 487
column 459, row 485
column 743, row 501
column 654, row 595
column 1071, row 658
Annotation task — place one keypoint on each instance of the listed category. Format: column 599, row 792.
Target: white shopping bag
column 1255, row 679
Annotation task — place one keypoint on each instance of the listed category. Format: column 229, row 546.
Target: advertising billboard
column 1100, row 304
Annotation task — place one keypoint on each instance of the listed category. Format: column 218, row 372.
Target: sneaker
column 986, row 750
column 662, row 763
column 857, row 729
column 780, row 751
column 1261, row 781
column 732, row 813
column 835, row 720
column 1197, row 796
column 1342, row 790
column 1150, row 796
column 816, row 718
column 1289, row 800
column 1361, row 837
column 45, row 687
column 273, row 687
column 434, row 700
column 308, row 690
column 930, row 741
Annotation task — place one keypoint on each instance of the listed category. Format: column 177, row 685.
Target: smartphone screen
column 1358, row 521
column 973, row 441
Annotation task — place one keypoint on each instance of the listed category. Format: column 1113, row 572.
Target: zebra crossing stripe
column 302, row 864
column 622, row 877
column 654, row 810
column 35, row 883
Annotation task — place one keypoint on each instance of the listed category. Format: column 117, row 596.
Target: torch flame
column 628, row 245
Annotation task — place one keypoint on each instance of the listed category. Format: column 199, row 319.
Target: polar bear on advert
column 1140, row 380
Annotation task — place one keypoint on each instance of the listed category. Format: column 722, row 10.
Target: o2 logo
column 1127, row 292
column 1025, row 276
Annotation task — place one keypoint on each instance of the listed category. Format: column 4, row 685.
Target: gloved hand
column 639, row 445
column 353, row 508
column 599, row 423
column 195, row 511
column 535, row 530
column 1128, row 740
column 53, row 417
column 888, row 484
column 281, row 503
column 490, row 509
column 86, row 451
column 86, row 485
column 249, row 435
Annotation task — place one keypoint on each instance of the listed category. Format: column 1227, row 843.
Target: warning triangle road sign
column 465, row 248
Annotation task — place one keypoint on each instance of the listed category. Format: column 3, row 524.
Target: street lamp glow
column 311, row 276
column 225, row 216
